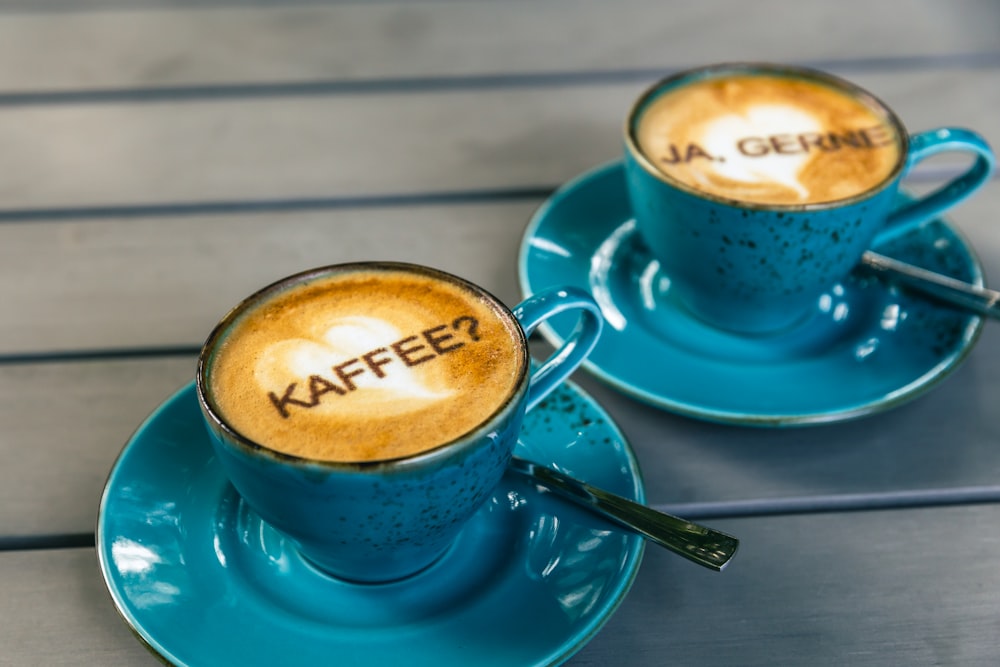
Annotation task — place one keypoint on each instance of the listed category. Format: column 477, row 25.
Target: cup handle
column 536, row 309
column 933, row 142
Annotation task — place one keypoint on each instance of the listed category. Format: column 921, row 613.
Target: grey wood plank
column 135, row 43
column 285, row 147
column 915, row 587
column 945, row 439
column 164, row 281
column 124, row 283
column 830, row 589
column 58, row 612
column 871, row 589
column 63, row 425
column 67, row 422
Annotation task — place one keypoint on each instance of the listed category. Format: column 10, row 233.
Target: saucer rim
column 575, row 640
column 901, row 395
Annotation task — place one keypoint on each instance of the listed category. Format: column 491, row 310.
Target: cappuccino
column 367, row 363
column 768, row 139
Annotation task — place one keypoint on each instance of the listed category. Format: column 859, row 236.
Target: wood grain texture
column 149, row 43
column 916, row 587
column 162, row 281
column 66, row 424
column 289, row 146
column 160, row 159
column 57, row 611
column 69, row 421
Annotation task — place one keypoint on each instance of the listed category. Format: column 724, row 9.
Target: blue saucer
column 867, row 347
column 202, row 581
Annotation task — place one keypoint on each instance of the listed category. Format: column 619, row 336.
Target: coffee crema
column 768, row 139
column 365, row 365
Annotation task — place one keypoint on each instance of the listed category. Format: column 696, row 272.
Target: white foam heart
column 296, row 359
column 722, row 134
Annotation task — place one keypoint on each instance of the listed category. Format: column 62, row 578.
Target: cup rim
column 249, row 446
column 737, row 67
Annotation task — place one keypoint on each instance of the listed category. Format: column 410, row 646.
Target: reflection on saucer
column 866, row 346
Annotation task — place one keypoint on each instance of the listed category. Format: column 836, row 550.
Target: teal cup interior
column 756, row 268
column 383, row 520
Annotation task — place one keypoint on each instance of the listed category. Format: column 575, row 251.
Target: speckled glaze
column 202, row 580
column 759, row 268
column 383, row 520
column 864, row 347
column 380, row 521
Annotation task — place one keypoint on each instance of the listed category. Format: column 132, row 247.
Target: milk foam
column 364, row 366
column 768, row 139
column 397, row 391
column 721, row 137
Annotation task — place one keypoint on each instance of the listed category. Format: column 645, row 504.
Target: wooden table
column 160, row 160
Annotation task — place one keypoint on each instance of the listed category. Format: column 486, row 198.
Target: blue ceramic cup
column 757, row 187
column 419, row 429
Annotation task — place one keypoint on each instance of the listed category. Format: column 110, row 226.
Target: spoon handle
column 699, row 544
column 944, row 288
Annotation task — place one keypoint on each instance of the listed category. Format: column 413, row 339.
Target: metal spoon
column 704, row 546
column 944, row 288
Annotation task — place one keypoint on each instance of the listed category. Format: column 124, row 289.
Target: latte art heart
column 722, row 136
column 353, row 361
column 367, row 365
column 767, row 139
